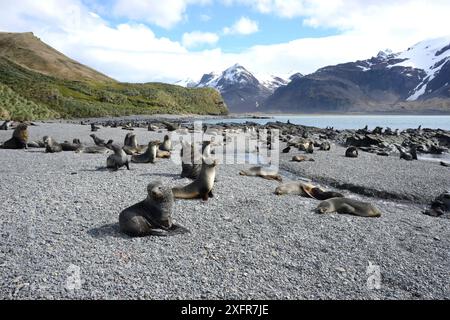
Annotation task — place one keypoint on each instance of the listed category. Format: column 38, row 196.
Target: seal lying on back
column 149, row 156
column 306, row 190
column 351, row 152
column 152, row 216
column 95, row 149
column 202, row 186
column 19, row 138
column 118, row 159
column 266, row 173
column 349, row 206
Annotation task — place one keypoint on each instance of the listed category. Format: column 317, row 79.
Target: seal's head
column 324, row 207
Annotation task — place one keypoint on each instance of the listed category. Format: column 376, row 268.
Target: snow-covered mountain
column 415, row 80
column 187, row 83
column 242, row 90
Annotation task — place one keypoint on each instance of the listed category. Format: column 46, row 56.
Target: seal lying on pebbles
column 266, row 173
column 95, row 149
column 149, row 156
column 202, row 186
column 349, row 206
column 445, row 164
column 51, row 146
column 152, row 216
column 439, row 206
column 118, row 159
column 74, row 146
column 351, row 152
column 166, row 145
column 306, row 190
column 19, row 138
column 94, row 128
column 301, row 159
column 190, row 163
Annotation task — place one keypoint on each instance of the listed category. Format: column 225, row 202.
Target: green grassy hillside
column 29, row 95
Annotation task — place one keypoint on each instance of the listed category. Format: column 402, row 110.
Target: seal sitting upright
column 152, row 216
column 19, row 138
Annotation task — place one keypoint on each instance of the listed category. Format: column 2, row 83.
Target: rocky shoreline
column 60, row 214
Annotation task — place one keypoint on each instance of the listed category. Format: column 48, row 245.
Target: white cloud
column 243, row 26
column 166, row 13
column 205, row 17
column 133, row 52
column 193, row 39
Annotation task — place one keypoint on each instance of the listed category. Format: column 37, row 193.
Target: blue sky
column 170, row 40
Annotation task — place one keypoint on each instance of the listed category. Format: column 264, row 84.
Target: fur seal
column 131, row 146
column 202, row 186
column 166, row 145
column 444, row 164
column 118, row 159
column 94, row 128
column 301, row 159
column 162, row 154
column 74, row 146
column 306, row 190
column 98, row 142
column 19, row 138
column 190, row 163
column 351, row 152
column 287, row 149
column 51, row 146
column 152, row 216
column 310, row 148
column 266, row 173
column 149, row 156
column 325, row 146
column 349, row 206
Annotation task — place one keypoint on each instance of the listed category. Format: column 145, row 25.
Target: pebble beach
column 59, row 220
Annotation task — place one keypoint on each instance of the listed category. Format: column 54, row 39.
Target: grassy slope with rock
column 29, row 93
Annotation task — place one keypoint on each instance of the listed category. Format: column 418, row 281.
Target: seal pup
column 19, row 138
column 51, row 146
column 118, row 159
column 98, row 142
column 149, row 156
column 152, row 216
column 266, row 173
column 301, row 159
column 349, row 206
column 166, row 145
column 191, row 164
column 351, row 152
column 202, row 186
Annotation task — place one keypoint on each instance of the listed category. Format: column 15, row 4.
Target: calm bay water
column 353, row 121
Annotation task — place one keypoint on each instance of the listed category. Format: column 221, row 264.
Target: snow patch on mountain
column 430, row 56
